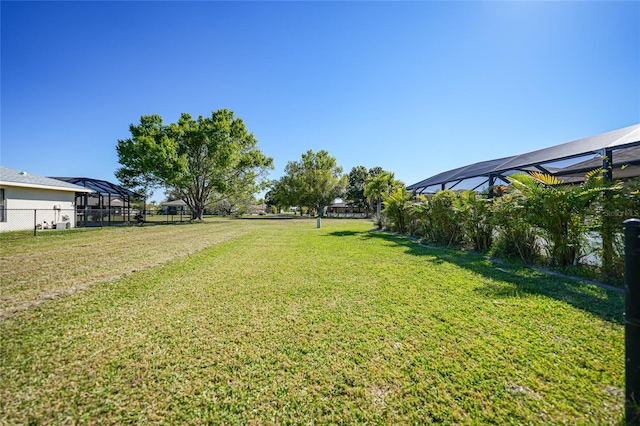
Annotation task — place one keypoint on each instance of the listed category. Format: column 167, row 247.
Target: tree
column 201, row 161
column 278, row 196
column 314, row 181
column 376, row 187
column 286, row 191
column 375, row 171
column 355, row 186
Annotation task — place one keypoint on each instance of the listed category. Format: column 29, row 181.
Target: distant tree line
column 213, row 163
column 316, row 180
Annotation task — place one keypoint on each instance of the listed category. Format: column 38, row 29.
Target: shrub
column 396, row 207
column 440, row 219
column 606, row 216
column 559, row 212
column 474, row 213
column 414, row 215
column 515, row 238
column 419, row 218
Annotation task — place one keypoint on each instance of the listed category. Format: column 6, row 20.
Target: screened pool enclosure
column 617, row 151
column 109, row 204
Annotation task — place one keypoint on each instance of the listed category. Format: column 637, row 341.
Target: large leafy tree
column 314, row 181
column 375, row 171
column 200, row 160
column 280, row 194
column 356, row 182
column 355, row 187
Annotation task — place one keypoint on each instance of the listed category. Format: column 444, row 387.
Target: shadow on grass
column 272, row 217
column 513, row 280
column 343, row 233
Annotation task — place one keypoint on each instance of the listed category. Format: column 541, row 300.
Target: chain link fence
column 48, row 219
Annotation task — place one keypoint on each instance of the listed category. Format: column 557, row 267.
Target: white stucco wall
column 20, row 204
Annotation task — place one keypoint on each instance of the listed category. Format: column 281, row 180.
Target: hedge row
column 537, row 219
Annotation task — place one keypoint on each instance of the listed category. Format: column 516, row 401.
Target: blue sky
column 414, row 87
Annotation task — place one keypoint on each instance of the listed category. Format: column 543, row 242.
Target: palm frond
column 594, row 174
column 522, row 179
column 546, row 178
column 525, row 183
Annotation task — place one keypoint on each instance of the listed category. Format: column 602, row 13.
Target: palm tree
column 378, row 186
column 559, row 210
column 397, row 205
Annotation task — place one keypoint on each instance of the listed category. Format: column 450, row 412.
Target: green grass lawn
column 280, row 322
column 58, row 263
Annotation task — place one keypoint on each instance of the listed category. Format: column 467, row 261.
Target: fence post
column 35, row 222
column 632, row 320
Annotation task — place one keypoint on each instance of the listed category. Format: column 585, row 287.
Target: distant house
column 257, row 209
column 175, row 207
column 345, row 209
column 28, row 200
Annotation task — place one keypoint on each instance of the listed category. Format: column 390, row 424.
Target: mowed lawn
column 283, row 323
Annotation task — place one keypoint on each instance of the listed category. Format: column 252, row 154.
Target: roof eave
column 36, row 186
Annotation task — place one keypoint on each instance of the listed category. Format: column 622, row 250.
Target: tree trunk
column 197, row 212
column 607, row 233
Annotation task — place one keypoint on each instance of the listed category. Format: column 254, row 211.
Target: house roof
column 176, row 203
column 14, row 177
column 341, row 204
column 616, row 140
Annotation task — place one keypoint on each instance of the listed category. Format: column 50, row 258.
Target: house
column 28, row 201
column 345, row 209
column 175, row 207
column 258, row 209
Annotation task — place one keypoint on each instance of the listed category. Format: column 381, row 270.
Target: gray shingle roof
column 177, row 203
column 14, row 177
